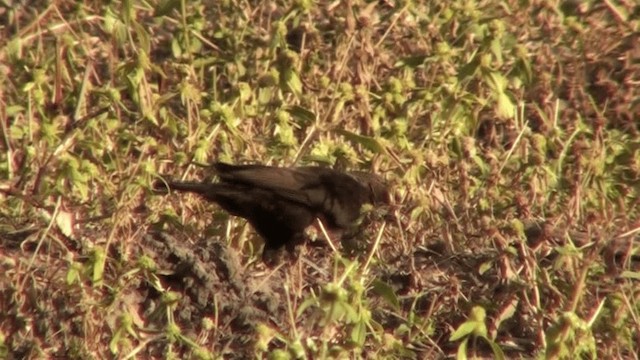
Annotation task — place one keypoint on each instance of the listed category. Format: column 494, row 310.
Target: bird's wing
column 268, row 177
column 336, row 195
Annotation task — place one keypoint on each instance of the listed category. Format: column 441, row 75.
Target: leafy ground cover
column 509, row 131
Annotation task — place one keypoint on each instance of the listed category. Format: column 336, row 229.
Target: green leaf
column 383, row 289
column 506, row 108
column 463, row 330
column 308, row 303
column 462, row 350
column 289, row 80
column 73, row 275
column 99, row 259
column 13, row 110
column 634, row 275
column 497, row 351
column 484, row 267
column 478, row 314
column 475, row 325
column 469, row 69
column 366, row 141
column 359, row 333
column 165, row 7
column 113, row 344
column 305, row 115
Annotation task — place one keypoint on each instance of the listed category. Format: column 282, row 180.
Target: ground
column 507, row 130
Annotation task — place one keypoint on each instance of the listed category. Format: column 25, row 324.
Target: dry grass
column 509, row 130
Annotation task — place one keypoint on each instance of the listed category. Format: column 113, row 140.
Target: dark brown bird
column 280, row 203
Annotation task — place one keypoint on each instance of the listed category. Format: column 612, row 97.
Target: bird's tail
column 164, row 187
column 220, row 193
column 193, row 187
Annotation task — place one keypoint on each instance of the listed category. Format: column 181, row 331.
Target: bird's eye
column 372, row 194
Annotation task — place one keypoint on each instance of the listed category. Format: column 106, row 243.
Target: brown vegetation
column 509, row 130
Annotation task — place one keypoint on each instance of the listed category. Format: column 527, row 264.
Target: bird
column 282, row 202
